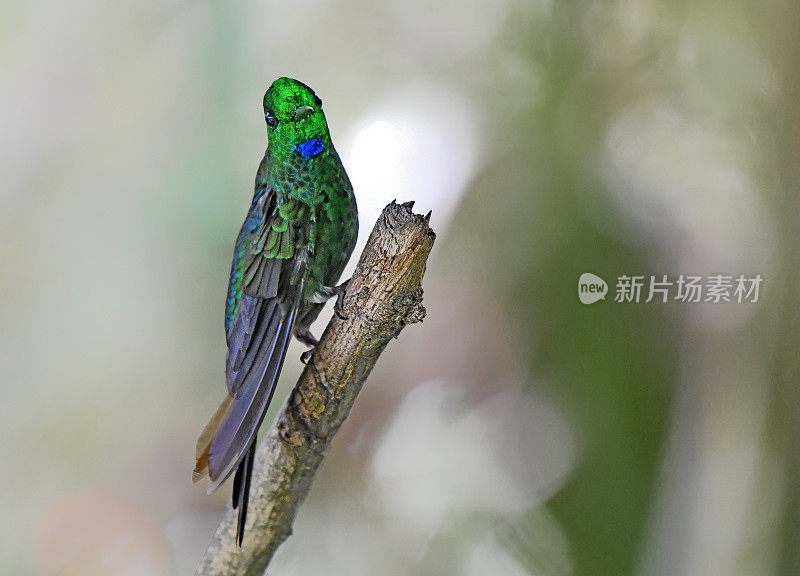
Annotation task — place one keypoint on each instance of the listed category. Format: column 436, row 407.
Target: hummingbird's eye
column 272, row 122
column 317, row 101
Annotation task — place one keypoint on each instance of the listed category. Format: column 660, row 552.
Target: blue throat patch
column 310, row 148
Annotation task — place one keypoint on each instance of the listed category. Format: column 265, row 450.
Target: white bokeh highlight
column 442, row 458
column 419, row 143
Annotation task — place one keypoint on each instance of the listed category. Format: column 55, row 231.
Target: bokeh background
column 517, row 431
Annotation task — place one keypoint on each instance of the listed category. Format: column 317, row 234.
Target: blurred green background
column 517, row 431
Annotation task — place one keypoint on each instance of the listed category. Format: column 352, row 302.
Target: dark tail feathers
column 241, row 490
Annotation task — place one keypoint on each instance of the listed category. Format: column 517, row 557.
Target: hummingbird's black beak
column 301, row 112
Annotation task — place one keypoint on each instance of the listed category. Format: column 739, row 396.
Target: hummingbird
column 298, row 235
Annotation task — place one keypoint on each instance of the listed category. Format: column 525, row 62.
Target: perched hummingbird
column 296, row 239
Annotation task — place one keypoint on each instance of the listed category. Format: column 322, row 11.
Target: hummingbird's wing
column 258, row 338
column 237, row 430
column 263, row 296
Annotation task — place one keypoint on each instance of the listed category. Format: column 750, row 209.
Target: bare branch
column 383, row 296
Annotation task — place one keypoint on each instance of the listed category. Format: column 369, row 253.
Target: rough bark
column 384, row 295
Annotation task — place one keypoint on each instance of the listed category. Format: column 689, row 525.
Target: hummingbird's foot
column 340, row 291
column 305, row 336
column 325, row 293
column 306, row 356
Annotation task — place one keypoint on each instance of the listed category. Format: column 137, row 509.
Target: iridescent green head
column 295, row 121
